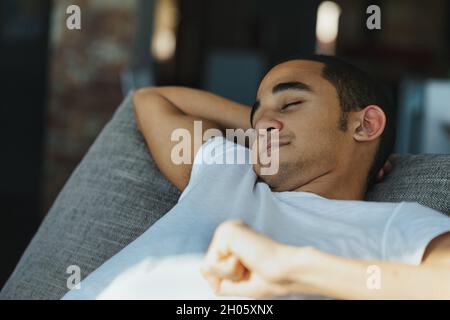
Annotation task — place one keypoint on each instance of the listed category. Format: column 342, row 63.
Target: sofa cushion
column 112, row 197
column 117, row 192
column 421, row 178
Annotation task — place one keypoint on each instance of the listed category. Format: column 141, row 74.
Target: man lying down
column 297, row 229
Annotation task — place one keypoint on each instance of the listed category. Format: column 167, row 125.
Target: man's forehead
column 305, row 71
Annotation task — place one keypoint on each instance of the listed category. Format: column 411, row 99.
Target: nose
column 268, row 122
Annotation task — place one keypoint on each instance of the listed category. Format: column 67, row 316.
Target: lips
column 281, row 143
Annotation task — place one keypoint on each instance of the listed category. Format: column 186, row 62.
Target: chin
column 283, row 180
column 273, row 181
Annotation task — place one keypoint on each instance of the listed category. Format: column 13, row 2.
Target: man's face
column 295, row 99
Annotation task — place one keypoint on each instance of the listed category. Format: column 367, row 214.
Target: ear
column 370, row 123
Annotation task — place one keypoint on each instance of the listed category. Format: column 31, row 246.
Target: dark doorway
column 23, row 66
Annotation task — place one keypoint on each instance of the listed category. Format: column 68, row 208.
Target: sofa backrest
column 117, row 192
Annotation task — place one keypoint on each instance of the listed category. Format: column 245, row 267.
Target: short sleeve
column 219, row 162
column 410, row 230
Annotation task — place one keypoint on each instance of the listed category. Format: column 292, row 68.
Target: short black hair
column 356, row 89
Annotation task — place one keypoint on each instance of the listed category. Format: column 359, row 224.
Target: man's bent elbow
column 140, row 95
column 140, row 100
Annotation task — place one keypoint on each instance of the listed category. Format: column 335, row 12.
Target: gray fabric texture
column 116, row 193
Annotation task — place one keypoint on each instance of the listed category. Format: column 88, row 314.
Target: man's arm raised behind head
column 162, row 110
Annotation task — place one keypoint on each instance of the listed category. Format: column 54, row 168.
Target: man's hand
column 242, row 262
column 160, row 111
column 384, row 171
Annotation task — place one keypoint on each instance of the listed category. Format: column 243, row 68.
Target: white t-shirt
column 163, row 263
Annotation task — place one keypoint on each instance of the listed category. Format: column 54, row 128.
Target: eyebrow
column 283, row 86
column 295, row 85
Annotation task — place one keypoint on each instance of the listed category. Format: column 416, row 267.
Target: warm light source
column 327, row 27
column 163, row 44
column 164, row 30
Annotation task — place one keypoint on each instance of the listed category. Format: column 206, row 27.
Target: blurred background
column 59, row 87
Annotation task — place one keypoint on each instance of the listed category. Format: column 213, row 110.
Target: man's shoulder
column 220, row 167
column 219, row 150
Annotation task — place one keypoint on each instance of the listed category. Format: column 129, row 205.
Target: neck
column 337, row 186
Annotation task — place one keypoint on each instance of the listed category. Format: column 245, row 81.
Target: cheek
column 316, row 135
column 313, row 125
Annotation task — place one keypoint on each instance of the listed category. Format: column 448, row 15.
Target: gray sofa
column 116, row 193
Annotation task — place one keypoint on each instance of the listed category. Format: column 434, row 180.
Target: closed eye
column 285, row 107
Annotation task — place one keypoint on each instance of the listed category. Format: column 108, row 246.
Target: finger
column 251, row 287
column 251, row 247
column 234, row 269
column 218, row 248
column 236, row 288
column 213, row 281
column 218, row 253
column 380, row 175
column 388, row 166
column 230, row 268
